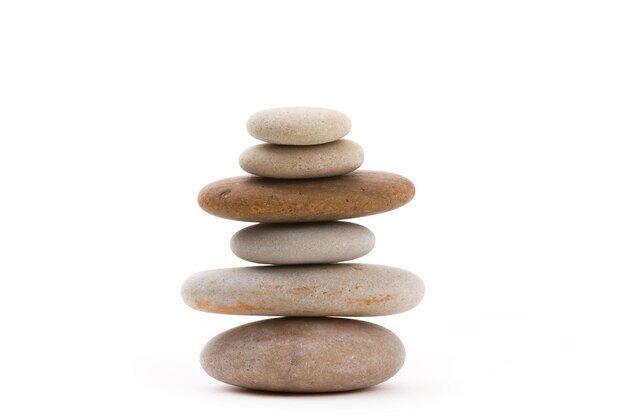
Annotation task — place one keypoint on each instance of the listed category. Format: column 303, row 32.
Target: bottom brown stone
column 302, row 354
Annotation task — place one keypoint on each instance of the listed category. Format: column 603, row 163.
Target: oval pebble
column 298, row 125
column 316, row 161
column 304, row 355
column 347, row 289
column 268, row 200
column 302, row 243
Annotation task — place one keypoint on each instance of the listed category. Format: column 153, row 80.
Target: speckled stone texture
column 304, row 355
column 316, row 161
column 302, row 243
column 266, row 200
column 345, row 289
column 298, row 125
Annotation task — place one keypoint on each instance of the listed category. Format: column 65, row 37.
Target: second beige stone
column 315, row 161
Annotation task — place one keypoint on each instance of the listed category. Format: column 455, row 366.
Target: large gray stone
column 304, row 355
column 348, row 289
column 316, row 161
column 298, row 125
column 302, row 243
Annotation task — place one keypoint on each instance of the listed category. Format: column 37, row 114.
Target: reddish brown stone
column 266, row 200
column 304, row 355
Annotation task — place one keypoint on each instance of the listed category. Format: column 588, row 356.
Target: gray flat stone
column 302, row 243
column 347, row 289
column 293, row 162
column 304, row 355
column 298, row 125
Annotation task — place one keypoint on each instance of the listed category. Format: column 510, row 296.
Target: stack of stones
column 304, row 180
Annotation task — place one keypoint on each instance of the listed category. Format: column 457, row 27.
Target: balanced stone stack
column 303, row 181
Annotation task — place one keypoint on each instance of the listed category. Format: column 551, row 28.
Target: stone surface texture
column 344, row 289
column 304, row 355
column 302, row 243
column 267, row 200
column 316, row 161
column 298, row 125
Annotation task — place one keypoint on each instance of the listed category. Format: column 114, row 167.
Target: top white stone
column 298, row 125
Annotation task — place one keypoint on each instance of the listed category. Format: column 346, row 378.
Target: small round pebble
column 298, row 125
column 302, row 243
column 343, row 289
column 281, row 161
column 304, row 355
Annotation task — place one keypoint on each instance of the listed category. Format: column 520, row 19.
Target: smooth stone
column 268, row 200
column 298, row 125
column 304, row 355
column 316, row 161
column 346, row 289
column 302, row 243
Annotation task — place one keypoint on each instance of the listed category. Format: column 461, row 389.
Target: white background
column 508, row 116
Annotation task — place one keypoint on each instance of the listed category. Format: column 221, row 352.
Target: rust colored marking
column 240, row 308
column 369, row 300
column 202, row 305
column 269, row 286
column 300, row 290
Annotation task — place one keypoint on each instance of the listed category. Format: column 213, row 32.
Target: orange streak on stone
column 266, row 285
column 369, row 300
column 240, row 308
column 299, row 290
column 202, row 305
